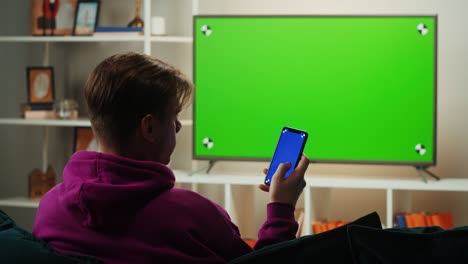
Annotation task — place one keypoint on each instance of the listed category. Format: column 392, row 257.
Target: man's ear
column 147, row 128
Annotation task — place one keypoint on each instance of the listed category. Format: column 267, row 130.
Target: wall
column 21, row 145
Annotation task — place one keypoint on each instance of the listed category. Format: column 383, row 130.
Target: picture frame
column 84, row 139
column 86, row 17
column 52, row 18
column 41, row 182
column 40, row 85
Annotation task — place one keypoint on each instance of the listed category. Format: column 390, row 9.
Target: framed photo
column 40, row 82
column 84, row 139
column 52, row 17
column 86, row 17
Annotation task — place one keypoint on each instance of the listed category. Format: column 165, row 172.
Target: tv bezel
column 368, row 162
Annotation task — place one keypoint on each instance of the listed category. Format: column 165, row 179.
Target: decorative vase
column 137, row 22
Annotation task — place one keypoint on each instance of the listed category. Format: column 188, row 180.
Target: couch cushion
column 427, row 245
column 19, row 246
column 328, row 247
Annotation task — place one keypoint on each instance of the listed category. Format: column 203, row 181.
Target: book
column 331, row 225
column 118, row 34
column 39, row 114
column 409, row 220
column 317, row 228
column 117, row 29
column 34, row 107
column 401, row 222
column 444, row 220
column 429, row 221
column 320, row 227
column 419, row 219
column 341, row 223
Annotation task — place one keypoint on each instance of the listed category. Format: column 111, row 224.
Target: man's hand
column 287, row 190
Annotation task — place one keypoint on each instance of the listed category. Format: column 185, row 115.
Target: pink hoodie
column 127, row 211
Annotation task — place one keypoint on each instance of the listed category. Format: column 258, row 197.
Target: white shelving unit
column 313, row 183
column 146, row 40
column 324, row 181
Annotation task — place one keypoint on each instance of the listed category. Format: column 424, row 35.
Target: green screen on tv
column 363, row 87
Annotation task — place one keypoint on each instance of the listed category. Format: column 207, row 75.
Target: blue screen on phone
column 289, row 149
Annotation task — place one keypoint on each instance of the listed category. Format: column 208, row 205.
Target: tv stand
column 208, row 168
column 423, row 170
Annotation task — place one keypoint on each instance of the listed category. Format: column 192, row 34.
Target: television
column 363, row 87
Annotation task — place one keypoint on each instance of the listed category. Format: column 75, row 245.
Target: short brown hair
column 123, row 88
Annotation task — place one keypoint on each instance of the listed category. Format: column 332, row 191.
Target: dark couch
column 328, row 247
column 428, row 245
column 362, row 241
column 20, row 246
column 365, row 242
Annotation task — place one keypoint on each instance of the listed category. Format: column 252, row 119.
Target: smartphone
column 290, row 146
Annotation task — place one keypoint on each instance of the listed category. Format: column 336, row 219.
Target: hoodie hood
column 105, row 191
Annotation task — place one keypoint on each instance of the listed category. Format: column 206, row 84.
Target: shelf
column 313, row 181
column 324, row 181
column 172, row 39
column 177, row 39
column 71, row 39
column 183, row 177
column 19, row 202
column 186, row 122
column 82, row 122
column 387, row 183
column 377, row 182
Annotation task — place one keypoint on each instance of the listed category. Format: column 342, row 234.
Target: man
column 120, row 205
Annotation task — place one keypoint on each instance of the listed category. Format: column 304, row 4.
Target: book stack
column 118, row 31
column 443, row 220
column 37, row 111
column 320, row 227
